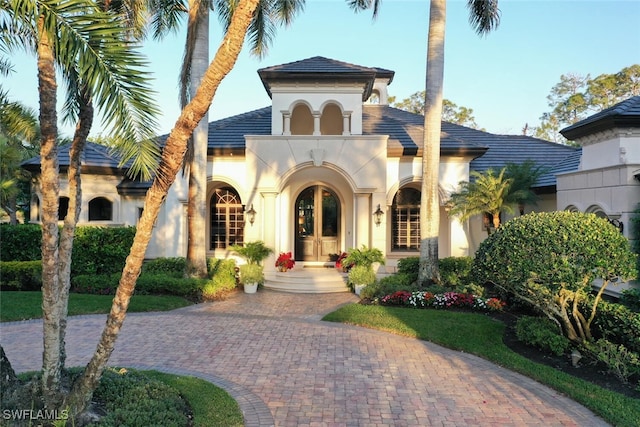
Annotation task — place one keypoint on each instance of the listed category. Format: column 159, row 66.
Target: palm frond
column 484, row 15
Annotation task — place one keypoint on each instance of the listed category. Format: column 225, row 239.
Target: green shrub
column 135, row 399
column 251, row 273
column 455, row 272
column 617, row 358
column 547, row 257
column 223, row 281
column 409, row 266
column 542, row 333
column 102, row 284
column 21, row 275
column 22, row 242
column 101, row 250
column 388, row 285
column 163, row 284
column 617, row 324
column 631, row 299
column 173, row 266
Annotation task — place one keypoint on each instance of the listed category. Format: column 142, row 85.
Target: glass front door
column 317, row 224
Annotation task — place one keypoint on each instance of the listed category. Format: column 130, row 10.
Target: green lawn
column 481, row 335
column 28, row 305
column 212, row 406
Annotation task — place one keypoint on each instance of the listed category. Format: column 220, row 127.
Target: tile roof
column 623, row 114
column 94, row 156
column 323, row 69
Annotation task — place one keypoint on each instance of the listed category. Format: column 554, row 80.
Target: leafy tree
column 484, row 16
column 576, row 97
column 451, row 112
column 550, row 260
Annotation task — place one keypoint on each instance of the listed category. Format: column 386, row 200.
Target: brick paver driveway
column 287, row 368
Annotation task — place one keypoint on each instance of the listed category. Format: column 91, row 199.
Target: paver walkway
column 287, row 368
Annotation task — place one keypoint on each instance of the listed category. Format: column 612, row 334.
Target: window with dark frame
column 405, row 220
column 226, row 219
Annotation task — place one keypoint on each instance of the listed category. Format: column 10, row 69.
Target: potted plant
column 364, row 256
column 253, row 252
column 361, row 276
column 285, row 261
column 251, row 275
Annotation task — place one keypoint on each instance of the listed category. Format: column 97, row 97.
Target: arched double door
column 317, row 224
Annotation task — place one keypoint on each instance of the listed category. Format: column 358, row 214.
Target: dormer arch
column 301, row 119
column 333, row 120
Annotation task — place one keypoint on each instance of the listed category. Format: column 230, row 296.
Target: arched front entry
column 317, row 224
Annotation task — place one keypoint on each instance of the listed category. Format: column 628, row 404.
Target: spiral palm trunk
column 170, row 164
column 50, row 189
column 83, row 128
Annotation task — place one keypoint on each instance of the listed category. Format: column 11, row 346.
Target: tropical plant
column 550, row 260
column 253, row 252
column 488, row 194
column 363, row 256
column 484, row 16
column 523, row 177
column 251, row 273
column 361, row 275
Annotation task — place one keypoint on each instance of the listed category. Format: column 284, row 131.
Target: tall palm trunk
column 170, row 163
column 50, row 188
column 430, row 203
column 83, row 127
column 197, row 200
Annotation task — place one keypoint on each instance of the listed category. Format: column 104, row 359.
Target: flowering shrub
column 341, row 265
column 446, row 300
column 285, row 261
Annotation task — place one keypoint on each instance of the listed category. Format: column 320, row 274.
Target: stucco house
column 329, row 166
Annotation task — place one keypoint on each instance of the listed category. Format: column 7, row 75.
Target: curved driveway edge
column 270, row 351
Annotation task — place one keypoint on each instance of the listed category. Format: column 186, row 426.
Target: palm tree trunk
column 83, row 128
column 430, row 202
column 51, row 366
column 197, row 200
column 170, row 163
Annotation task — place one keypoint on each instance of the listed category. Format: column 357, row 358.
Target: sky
column 504, row 77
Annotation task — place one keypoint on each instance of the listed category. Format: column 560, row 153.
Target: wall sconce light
column 251, row 215
column 377, row 216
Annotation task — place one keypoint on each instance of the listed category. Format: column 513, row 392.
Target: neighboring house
column 328, row 166
column 605, row 178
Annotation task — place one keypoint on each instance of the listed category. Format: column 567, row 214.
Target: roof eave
column 579, row 130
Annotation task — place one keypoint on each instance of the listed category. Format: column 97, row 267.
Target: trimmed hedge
column 101, row 250
column 21, row 275
column 21, row 242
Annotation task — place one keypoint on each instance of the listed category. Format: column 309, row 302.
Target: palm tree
column 170, row 164
column 524, row 176
column 488, row 194
column 484, row 16
column 269, row 14
column 71, row 35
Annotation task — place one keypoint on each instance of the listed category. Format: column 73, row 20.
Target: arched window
column 63, row 208
column 100, row 209
column 405, row 220
column 227, row 219
column 331, row 120
column 301, row 120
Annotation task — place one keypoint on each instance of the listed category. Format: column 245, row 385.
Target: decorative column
column 362, row 219
column 316, row 124
column 287, row 122
column 269, row 227
column 346, row 130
